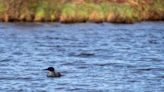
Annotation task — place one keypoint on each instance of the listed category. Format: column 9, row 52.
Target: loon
column 52, row 72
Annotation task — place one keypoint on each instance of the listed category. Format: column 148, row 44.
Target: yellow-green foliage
column 2, row 6
column 122, row 12
column 82, row 10
column 40, row 11
column 68, row 10
column 158, row 5
column 127, row 12
column 68, row 13
column 95, row 12
column 82, row 13
column 107, row 8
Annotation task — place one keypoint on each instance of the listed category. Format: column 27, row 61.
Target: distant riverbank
column 72, row 11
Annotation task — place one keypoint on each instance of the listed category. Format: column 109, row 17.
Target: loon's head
column 50, row 69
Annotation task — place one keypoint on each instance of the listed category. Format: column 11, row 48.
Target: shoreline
column 81, row 11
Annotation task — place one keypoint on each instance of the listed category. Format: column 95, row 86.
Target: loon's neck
column 53, row 74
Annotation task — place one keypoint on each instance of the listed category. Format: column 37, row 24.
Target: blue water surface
column 93, row 57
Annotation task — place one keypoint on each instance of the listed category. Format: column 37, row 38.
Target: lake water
column 92, row 57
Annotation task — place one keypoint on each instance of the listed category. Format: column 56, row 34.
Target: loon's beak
column 45, row 69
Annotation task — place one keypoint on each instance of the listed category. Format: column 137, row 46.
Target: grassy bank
column 70, row 11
